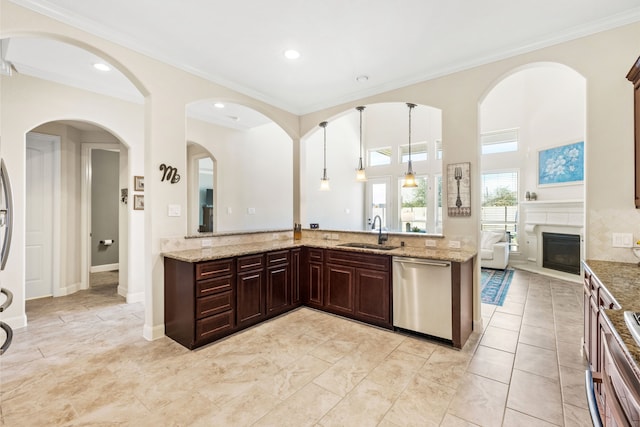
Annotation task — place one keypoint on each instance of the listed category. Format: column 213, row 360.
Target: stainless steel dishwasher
column 422, row 296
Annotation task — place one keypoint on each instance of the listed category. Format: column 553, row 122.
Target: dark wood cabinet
column 278, row 292
column 296, row 260
column 358, row 285
column 199, row 300
column 250, row 304
column 634, row 77
column 372, row 297
column 312, row 286
column 339, row 288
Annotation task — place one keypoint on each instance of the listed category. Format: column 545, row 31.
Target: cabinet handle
column 208, row 273
column 255, row 264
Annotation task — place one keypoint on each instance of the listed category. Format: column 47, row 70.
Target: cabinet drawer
column 278, row 258
column 355, row 259
column 214, row 326
column 214, row 304
column 212, row 286
column 205, row 270
column 315, row 254
column 251, row 262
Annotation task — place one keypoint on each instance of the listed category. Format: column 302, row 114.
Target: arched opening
column 532, row 122
column 352, row 205
column 242, row 145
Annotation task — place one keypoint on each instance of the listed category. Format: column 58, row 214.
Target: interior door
column 40, row 182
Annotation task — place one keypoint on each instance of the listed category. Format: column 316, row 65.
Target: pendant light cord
column 411, row 106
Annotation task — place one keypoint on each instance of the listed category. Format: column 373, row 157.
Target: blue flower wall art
column 561, row 165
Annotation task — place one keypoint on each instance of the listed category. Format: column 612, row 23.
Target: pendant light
column 324, row 181
column 409, row 177
column 361, row 176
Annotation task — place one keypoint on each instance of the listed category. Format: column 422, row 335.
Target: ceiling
column 240, row 44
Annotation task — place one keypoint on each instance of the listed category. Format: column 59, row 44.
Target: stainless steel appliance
column 422, row 296
column 6, row 227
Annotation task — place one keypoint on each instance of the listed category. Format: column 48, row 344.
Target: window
column 418, row 152
column 378, row 200
column 380, row 156
column 502, row 141
column 500, row 203
column 413, row 206
column 439, row 149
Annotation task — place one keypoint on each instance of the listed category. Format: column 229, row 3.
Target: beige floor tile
column 573, row 388
column 480, row 401
column 245, row 409
column 491, row 363
column 515, row 418
column 304, row 408
column 571, row 355
column 294, row 377
column 346, row 374
column 576, row 417
column 539, row 337
column 536, row 396
column 365, row 405
column 505, row 321
column 445, row 366
column 422, row 403
column 536, row 360
column 396, row 370
column 453, row 421
column 500, row 339
column 511, row 307
column 418, row 346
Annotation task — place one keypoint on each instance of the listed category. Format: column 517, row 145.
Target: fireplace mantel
column 552, row 216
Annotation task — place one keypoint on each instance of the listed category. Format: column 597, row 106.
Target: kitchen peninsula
column 213, row 292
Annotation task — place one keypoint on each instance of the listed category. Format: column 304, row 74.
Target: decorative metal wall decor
column 169, row 173
column 459, row 189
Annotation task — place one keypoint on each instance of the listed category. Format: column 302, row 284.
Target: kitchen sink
column 368, row 246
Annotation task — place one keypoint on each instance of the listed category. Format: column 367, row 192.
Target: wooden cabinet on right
column 634, row 77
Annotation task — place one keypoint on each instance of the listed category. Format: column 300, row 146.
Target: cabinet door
column 295, row 277
column 373, row 297
column 250, row 294
column 586, row 304
column 314, row 294
column 339, row 288
column 278, row 289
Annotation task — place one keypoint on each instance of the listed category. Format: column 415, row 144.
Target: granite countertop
column 219, row 252
column 622, row 281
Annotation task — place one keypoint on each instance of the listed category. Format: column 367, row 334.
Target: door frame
column 85, row 208
column 56, row 244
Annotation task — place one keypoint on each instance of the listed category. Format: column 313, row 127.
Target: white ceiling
column 240, row 44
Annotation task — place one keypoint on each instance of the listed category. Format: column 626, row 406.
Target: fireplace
column 561, row 252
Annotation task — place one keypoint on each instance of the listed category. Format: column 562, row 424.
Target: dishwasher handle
column 433, row 263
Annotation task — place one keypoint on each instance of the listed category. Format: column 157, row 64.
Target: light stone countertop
column 622, row 281
column 220, row 252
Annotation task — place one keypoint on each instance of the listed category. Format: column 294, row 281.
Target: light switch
column 174, row 210
column 251, row 211
column 622, row 240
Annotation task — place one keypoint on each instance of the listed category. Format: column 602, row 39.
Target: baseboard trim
column 152, row 333
column 16, row 322
column 67, row 290
column 134, row 297
column 104, row 267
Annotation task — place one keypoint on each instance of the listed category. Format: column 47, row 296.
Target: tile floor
column 82, row 361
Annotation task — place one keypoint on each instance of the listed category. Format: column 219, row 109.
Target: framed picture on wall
column 138, row 202
column 563, row 165
column 138, row 183
column 459, row 189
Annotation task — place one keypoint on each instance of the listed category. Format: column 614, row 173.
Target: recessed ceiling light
column 362, row 78
column 291, row 54
column 218, row 105
column 102, row 67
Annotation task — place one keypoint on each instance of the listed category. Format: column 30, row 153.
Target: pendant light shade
column 324, row 181
column 361, row 176
column 409, row 176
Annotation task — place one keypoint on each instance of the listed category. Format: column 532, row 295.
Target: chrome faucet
column 381, row 238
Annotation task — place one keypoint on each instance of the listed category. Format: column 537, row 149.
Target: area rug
column 495, row 284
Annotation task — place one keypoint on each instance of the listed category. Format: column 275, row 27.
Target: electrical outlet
column 251, row 211
column 454, row 244
column 430, row 243
column 207, row 243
